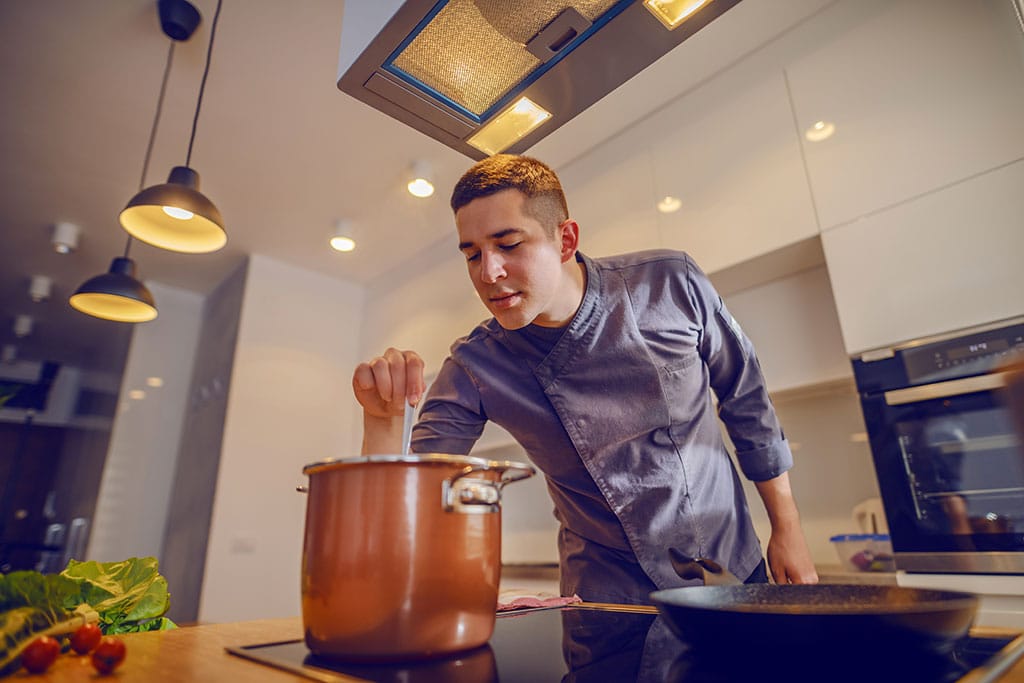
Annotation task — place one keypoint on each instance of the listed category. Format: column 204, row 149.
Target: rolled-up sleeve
column 451, row 418
column 744, row 406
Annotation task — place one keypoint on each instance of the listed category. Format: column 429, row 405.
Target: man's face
column 517, row 267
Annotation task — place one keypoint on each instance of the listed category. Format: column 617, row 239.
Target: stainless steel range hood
column 487, row 76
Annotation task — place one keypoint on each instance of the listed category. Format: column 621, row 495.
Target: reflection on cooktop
column 590, row 645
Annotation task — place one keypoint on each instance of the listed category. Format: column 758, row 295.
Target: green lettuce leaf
column 126, row 592
column 123, row 597
column 34, row 604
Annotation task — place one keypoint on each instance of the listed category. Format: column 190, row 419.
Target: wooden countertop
column 196, row 653
column 191, row 653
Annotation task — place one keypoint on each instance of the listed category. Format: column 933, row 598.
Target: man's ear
column 569, row 235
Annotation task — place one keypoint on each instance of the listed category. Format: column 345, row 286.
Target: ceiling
column 281, row 152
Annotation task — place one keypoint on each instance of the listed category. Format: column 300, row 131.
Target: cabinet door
column 922, row 94
column 729, row 152
column 947, row 260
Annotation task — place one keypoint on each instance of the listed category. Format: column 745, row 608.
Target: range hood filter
column 474, row 52
column 449, row 67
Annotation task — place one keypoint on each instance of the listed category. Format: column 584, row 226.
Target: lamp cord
column 156, row 117
column 202, row 85
column 152, row 130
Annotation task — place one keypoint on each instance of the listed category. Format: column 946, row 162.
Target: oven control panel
column 972, row 354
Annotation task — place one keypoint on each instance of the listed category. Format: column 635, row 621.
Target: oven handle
column 954, row 387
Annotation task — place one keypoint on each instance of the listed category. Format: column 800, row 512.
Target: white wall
column 290, row 405
column 131, row 508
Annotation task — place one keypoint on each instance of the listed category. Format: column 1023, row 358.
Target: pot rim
column 419, row 459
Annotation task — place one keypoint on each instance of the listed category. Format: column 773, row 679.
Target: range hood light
column 510, row 126
column 672, row 13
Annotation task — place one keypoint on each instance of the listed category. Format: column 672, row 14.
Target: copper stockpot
column 402, row 554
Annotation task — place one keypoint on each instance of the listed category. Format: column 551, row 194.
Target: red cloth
column 534, row 602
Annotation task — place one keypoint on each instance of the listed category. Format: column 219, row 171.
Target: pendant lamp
column 176, row 215
column 116, row 295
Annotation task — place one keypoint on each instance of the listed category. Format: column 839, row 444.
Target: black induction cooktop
column 584, row 645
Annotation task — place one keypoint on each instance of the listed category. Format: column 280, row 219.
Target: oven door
column 951, row 473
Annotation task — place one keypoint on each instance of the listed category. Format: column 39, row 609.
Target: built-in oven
column 948, row 459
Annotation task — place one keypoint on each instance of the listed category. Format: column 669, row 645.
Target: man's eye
column 473, row 257
column 508, row 247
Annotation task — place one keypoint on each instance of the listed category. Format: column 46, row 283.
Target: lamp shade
column 115, row 295
column 175, row 215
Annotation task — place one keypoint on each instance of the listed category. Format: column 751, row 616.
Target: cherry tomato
column 85, row 638
column 108, row 655
column 39, row 654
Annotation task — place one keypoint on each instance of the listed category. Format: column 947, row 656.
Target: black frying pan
column 724, row 614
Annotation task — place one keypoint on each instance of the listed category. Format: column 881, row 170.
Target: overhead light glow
column 175, row 212
column 672, row 13
column 344, row 237
column 669, row 204
column 420, row 179
column 509, row 127
column 420, row 187
column 137, row 394
column 154, row 381
column 821, row 130
column 343, row 243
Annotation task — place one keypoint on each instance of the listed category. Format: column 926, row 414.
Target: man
column 600, row 369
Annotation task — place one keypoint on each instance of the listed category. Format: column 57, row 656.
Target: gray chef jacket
column 615, row 410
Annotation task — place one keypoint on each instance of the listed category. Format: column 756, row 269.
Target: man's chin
column 510, row 322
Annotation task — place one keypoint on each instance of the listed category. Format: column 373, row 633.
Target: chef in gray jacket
column 601, row 369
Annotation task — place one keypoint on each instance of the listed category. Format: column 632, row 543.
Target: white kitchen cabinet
column 947, row 260
column 729, row 151
column 609, row 193
column 793, row 325
column 922, row 94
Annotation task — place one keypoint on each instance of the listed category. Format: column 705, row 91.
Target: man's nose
column 492, row 267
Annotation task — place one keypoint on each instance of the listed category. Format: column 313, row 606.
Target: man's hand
column 383, row 386
column 789, row 558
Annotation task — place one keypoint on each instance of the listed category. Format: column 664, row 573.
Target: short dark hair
column 545, row 200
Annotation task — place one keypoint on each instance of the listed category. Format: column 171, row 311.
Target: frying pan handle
column 708, row 571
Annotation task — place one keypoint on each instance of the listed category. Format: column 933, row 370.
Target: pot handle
column 475, row 495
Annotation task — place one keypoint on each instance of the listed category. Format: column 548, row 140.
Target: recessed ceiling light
column 23, row 325
column 669, row 204
column 421, row 184
column 343, row 238
column 137, row 394
column 39, row 288
column 155, row 381
column 65, row 238
column 821, row 130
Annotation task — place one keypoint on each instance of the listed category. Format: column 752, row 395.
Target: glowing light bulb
column 340, row 243
column 669, row 204
column 175, row 212
column 420, row 187
column 821, row 130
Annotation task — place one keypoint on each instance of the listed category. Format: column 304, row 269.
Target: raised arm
column 383, row 386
